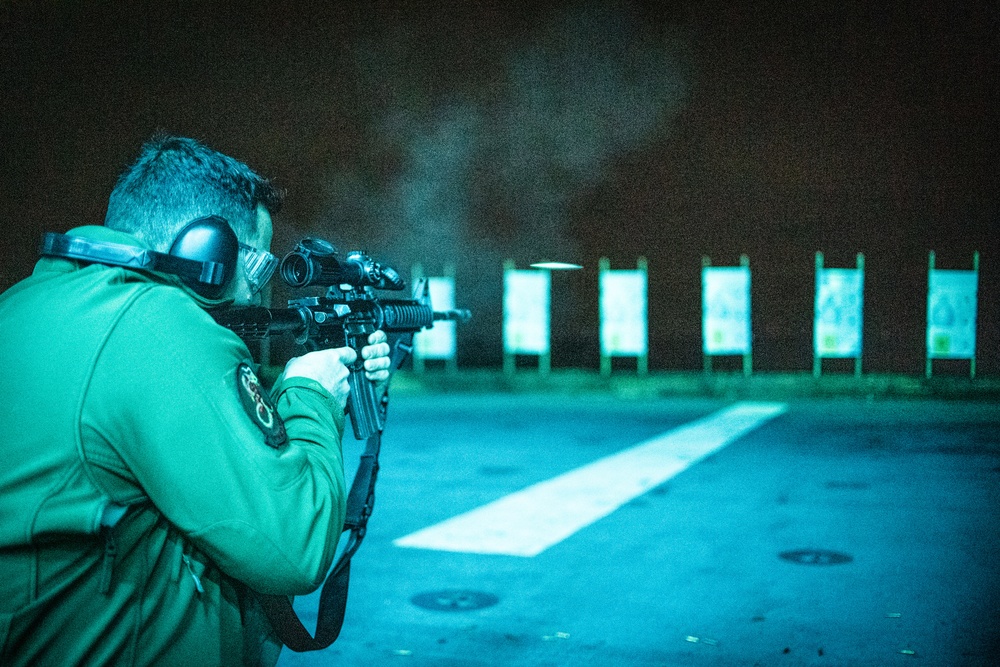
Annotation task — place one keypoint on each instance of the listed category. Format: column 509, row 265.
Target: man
column 149, row 486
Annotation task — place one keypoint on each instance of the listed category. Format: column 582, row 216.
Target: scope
column 314, row 261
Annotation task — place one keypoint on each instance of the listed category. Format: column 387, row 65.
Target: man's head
column 176, row 180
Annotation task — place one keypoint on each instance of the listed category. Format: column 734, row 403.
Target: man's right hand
column 328, row 367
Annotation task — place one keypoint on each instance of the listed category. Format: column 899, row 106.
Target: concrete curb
column 763, row 385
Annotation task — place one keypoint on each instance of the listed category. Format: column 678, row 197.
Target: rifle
column 345, row 315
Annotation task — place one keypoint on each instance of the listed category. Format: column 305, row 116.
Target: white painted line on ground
column 527, row 522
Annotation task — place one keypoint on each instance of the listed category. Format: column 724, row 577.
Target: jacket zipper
column 197, row 581
column 108, row 562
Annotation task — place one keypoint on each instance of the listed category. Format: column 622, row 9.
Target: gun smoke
column 476, row 169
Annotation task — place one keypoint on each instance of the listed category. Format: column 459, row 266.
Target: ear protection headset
column 204, row 254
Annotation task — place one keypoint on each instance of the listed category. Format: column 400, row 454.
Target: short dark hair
column 175, row 180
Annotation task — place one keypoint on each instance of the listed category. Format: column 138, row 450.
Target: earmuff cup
column 208, row 239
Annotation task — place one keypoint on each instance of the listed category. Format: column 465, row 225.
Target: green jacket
column 119, row 390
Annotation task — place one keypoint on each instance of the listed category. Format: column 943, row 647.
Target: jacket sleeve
column 165, row 394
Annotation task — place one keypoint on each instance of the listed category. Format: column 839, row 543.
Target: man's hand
column 328, row 367
column 331, row 367
column 377, row 361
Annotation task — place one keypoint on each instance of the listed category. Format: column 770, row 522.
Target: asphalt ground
column 905, row 492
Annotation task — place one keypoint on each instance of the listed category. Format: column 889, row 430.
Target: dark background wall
column 471, row 132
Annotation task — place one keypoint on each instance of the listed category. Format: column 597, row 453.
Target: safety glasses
column 259, row 266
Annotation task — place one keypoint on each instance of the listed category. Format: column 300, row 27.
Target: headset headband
column 118, row 254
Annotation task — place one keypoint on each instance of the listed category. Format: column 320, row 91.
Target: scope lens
column 296, row 270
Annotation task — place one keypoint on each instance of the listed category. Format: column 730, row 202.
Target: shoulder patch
column 259, row 407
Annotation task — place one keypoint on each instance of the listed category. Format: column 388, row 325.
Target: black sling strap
column 360, row 503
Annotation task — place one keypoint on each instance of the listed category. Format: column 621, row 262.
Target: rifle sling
column 333, row 599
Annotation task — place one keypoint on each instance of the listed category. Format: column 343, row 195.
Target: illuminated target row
column 726, row 329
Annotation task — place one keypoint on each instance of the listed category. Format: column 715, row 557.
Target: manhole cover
column 454, row 600
column 816, row 557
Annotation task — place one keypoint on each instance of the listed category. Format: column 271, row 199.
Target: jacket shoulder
column 170, row 312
